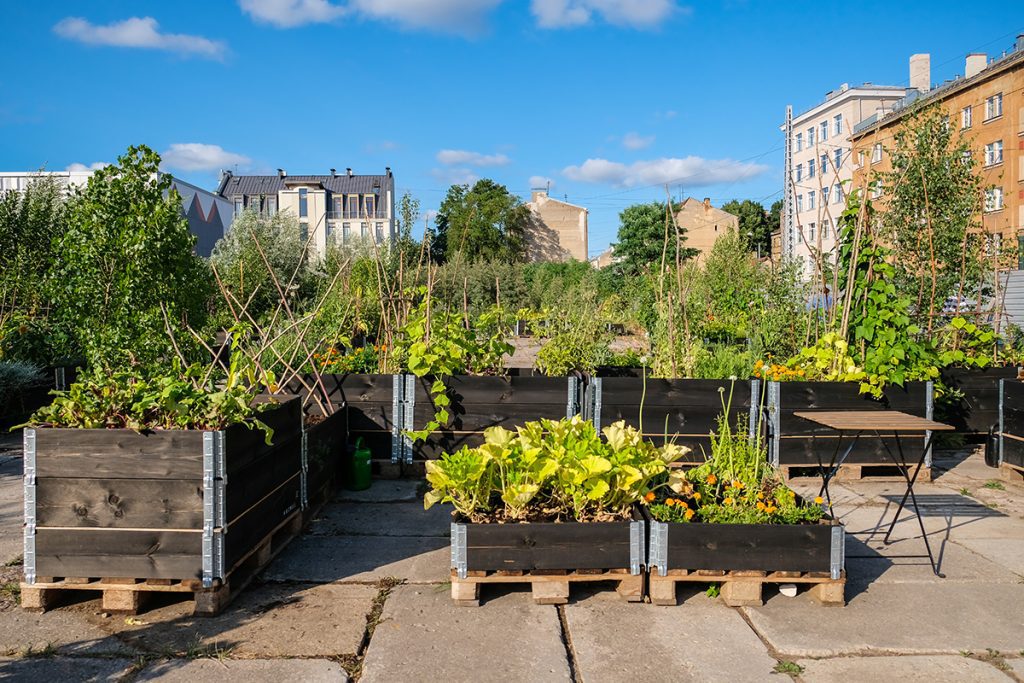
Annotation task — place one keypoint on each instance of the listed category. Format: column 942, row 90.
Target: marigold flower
column 760, row 496
column 696, row 495
column 819, row 500
column 727, row 501
column 670, row 502
column 760, row 505
column 770, row 509
column 689, row 514
column 712, row 479
column 649, row 497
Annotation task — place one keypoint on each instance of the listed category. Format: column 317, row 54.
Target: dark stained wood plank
column 871, row 420
column 120, row 552
column 128, row 503
column 119, row 453
column 243, row 533
column 758, row 547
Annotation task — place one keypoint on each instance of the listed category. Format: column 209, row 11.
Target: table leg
column 910, row 480
column 834, row 464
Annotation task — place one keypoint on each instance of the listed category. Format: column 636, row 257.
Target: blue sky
column 609, row 99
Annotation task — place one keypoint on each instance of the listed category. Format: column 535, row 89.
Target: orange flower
column 696, row 495
column 712, row 479
column 760, row 505
column 649, row 497
column 727, row 501
column 819, row 500
column 670, row 502
column 771, row 509
column 688, row 515
column 760, row 496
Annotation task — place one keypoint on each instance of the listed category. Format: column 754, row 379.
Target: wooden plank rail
column 744, row 588
column 549, row 587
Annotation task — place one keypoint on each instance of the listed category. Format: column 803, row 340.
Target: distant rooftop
column 338, row 183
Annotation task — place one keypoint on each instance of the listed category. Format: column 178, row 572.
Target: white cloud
column 455, row 176
column 540, row 181
column 695, row 171
column 453, row 157
column 141, row 32
column 78, row 168
column 196, row 156
column 451, row 16
column 635, row 13
column 635, row 141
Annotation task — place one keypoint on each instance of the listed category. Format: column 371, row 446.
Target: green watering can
column 358, row 473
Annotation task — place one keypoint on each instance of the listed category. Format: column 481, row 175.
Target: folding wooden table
column 881, row 423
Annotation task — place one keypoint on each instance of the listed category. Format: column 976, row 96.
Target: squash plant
column 559, row 469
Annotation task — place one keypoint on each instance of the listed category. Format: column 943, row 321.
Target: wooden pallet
column 1011, row 473
column 743, row 588
column 549, row 588
column 128, row 595
column 882, row 472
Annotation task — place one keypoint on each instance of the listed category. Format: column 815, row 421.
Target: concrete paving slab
column 249, row 670
column 914, row 668
column 366, row 559
column 424, row 636
column 1007, row 553
column 384, row 491
column 63, row 669
column 272, row 620
column 699, row 640
column 383, row 519
column 65, row 629
column 906, row 618
column 1016, row 666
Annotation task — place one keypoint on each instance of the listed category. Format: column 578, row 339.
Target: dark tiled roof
column 272, row 184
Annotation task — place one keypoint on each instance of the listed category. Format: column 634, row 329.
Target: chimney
column 349, row 172
column 976, row 63
column 387, row 171
column 707, row 203
column 1019, row 46
column 334, row 172
column 921, row 72
column 281, row 173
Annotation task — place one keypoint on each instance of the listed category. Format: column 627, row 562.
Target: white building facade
column 819, row 167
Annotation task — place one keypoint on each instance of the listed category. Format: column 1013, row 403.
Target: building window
column 369, row 206
column 824, row 131
column 799, row 141
column 254, row 203
column 994, row 199
column 839, row 158
column 810, row 232
column 810, row 137
column 837, row 124
column 838, row 197
column 994, row 153
column 824, row 229
column 994, row 107
column 327, row 233
column 966, row 117
column 799, row 172
column 271, row 206
column 799, row 202
column 380, row 233
column 824, row 163
column 876, row 153
column 303, row 202
column 967, row 157
column 944, row 124
column 238, row 206
column 339, row 205
column 304, row 232
column 810, row 168
column 824, row 195
column 346, row 233
column 810, row 199
column 364, row 231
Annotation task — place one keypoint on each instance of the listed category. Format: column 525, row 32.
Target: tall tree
column 126, row 257
column 929, row 202
column 647, row 233
column 482, row 222
column 755, row 226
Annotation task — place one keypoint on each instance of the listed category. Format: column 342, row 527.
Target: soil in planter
column 541, row 516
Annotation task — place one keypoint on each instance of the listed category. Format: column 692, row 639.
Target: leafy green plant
column 561, row 469
column 577, row 339
column 964, row 344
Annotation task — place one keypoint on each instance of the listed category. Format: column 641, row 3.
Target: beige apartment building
column 704, row 224
column 342, row 208
column 819, row 164
column 558, row 230
column 987, row 105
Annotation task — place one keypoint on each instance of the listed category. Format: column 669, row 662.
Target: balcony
column 378, row 215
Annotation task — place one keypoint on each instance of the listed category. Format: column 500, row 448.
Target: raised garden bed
column 796, row 444
column 549, row 556
column 681, row 411
column 745, row 556
column 1011, row 430
column 182, row 508
column 976, row 410
column 324, row 444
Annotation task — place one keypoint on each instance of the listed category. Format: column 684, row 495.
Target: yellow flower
column 696, row 495
column 760, row 505
column 727, row 501
column 771, row 509
column 819, row 500
column 689, row 514
column 712, row 479
column 760, row 496
column 670, row 502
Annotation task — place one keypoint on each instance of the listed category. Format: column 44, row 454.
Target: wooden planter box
column 682, row 411
column 977, row 411
column 745, row 556
column 167, row 506
column 1011, row 430
column 549, row 556
column 479, row 402
column 324, row 443
column 796, row 443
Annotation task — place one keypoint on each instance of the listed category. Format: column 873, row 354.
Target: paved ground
column 364, row 594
